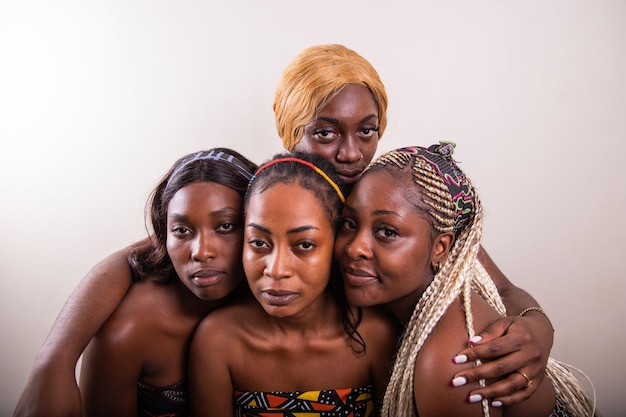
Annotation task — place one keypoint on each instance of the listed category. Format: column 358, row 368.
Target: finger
column 497, row 348
column 496, row 329
column 494, row 369
column 500, row 395
column 511, row 390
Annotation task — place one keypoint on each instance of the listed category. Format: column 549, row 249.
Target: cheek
column 304, row 145
column 251, row 264
column 369, row 150
column 309, row 145
column 340, row 244
column 233, row 248
column 178, row 259
column 174, row 249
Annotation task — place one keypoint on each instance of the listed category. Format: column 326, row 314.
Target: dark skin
column 348, row 139
column 387, row 250
column 345, row 133
column 147, row 337
column 291, row 329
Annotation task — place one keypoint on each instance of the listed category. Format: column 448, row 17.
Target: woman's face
column 204, row 238
column 383, row 245
column 344, row 132
column 288, row 249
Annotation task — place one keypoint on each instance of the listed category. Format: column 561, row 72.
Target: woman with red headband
column 295, row 345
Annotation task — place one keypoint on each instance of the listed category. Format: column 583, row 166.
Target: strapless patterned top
column 348, row 402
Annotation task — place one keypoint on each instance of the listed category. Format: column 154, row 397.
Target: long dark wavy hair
column 149, row 257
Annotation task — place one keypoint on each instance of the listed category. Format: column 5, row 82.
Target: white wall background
column 98, row 98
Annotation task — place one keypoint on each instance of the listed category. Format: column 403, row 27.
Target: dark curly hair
column 331, row 195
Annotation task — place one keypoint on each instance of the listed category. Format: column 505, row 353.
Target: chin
column 360, row 300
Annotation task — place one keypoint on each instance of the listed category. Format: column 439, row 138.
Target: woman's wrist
column 536, row 309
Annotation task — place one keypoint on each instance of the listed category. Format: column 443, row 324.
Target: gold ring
column 529, row 381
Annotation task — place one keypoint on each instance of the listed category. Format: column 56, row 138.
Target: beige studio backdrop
column 98, row 98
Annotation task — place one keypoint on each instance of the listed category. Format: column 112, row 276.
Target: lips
column 359, row 277
column 278, row 297
column 207, row 277
column 349, row 176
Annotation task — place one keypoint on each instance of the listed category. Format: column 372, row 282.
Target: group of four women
column 310, row 320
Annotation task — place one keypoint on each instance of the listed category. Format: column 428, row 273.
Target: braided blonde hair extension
column 451, row 282
column 460, row 274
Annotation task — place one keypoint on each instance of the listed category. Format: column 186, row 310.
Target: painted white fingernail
column 475, row 398
column 475, row 339
column 496, row 403
column 460, row 359
column 459, row 381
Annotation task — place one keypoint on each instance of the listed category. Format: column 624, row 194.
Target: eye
column 386, row 232
column 325, row 134
column 368, row 132
column 226, row 227
column 180, row 231
column 258, row 243
column 347, row 223
column 305, row 246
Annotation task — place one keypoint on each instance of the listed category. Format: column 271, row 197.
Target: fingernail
column 475, row 398
column 496, row 403
column 475, row 339
column 459, row 381
column 460, row 359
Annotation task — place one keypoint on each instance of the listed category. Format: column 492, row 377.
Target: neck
column 320, row 316
column 403, row 307
column 190, row 304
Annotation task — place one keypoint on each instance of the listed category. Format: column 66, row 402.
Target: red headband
column 303, row 162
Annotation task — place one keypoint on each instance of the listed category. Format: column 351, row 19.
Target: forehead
column 203, row 196
column 285, row 204
column 353, row 100
column 381, row 192
column 388, row 188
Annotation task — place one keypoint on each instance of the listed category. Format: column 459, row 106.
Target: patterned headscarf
column 439, row 157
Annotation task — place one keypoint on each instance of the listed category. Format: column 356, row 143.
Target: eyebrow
column 378, row 212
column 298, row 229
column 338, row 122
column 214, row 213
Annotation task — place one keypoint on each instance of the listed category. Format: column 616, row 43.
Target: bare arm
column 515, row 299
column 211, row 388
column 514, row 343
column 51, row 389
column 112, row 365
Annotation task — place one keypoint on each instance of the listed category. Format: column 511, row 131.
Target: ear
column 441, row 248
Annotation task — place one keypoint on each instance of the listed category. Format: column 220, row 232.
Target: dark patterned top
column 349, row 402
column 170, row 401
column 559, row 410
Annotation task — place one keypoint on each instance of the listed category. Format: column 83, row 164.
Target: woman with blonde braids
column 409, row 242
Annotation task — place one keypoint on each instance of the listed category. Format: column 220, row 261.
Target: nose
column 359, row 247
column 349, row 150
column 278, row 264
column 203, row 248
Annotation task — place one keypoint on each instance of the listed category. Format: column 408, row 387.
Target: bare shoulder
column 114, row 264
column 140, row 312
column 434, row 367
column 231, row 320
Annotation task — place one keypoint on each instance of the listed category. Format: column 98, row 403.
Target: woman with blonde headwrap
column 330, row 101
column 409, row 242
